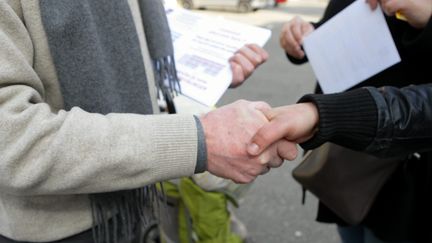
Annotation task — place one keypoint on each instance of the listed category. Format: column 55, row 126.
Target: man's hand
column 292, row 35
column 416, row 12
column 228, row 131
column 296, row 123
column 245, row 61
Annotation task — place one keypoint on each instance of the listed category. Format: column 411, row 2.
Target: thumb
column 266, row 135
column 307, row 29
column 264, row 108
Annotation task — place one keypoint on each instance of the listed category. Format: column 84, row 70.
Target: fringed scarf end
column 166, row 77
column 123, row 216
column 167, row 81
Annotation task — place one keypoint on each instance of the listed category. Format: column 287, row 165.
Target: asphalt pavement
column 272, row 210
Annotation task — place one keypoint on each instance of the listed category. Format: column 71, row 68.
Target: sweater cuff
column 347, row 119
column 201, row 164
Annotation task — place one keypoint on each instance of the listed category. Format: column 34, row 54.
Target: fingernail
column 253, row 149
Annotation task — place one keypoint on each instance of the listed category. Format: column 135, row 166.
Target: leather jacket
column 386, row 121
column 404, row 123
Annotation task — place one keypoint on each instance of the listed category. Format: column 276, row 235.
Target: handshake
column 245, row 139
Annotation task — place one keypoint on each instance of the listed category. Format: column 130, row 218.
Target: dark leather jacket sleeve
column 404, row 122
column 384, row 121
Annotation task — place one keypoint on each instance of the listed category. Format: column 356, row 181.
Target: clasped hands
column 245, row 139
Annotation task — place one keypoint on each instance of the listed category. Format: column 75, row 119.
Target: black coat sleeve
column 385, row 122
column 404, row 122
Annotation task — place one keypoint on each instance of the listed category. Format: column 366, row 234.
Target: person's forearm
column 404, row 120
column 385, row 122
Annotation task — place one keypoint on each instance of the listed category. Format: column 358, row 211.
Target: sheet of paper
column 202, row 47
column 351, row 47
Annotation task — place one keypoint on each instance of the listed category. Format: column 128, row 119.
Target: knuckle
column 243, row 180
column 292, row 155
column 244, row 49
column 264, row 104
column 259, row 59
column 237, row 57
column 249, row 68
column 249, row 180
column 241, row 101
column 253, row 46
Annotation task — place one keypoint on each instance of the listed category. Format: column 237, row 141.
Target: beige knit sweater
column 50, row 159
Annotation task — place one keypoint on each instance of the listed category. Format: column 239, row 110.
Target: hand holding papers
column 351, row 47
column 203, row 46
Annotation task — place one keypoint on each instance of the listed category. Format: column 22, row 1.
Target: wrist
column 208, row 138
column 312, row 115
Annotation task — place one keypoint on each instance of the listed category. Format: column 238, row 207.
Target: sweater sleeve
column 348, row 119
column 45, row 151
